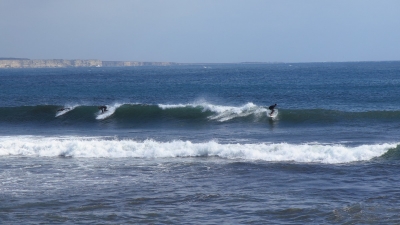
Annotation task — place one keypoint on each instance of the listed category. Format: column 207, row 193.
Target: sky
column 201, row 31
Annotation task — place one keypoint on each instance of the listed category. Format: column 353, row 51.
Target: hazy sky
column 201, row 30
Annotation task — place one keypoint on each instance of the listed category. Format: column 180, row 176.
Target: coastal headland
column 64, row 63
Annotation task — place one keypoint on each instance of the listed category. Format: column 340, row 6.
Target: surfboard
column 273, row 115
column 110, row 110
column 59, row 113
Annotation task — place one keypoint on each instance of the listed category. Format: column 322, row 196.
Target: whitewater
column 94, row 147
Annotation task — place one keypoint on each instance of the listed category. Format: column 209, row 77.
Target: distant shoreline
column 65, row 63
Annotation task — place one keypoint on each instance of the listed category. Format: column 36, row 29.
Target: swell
column 392, row 154
column 334, row 116
column 192, row 113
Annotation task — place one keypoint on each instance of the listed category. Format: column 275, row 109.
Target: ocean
column 193, row 144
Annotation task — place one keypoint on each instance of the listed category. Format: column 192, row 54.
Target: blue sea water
column 193, row 144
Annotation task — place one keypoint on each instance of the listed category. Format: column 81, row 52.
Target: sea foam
column 35, row 146
column 223, row 113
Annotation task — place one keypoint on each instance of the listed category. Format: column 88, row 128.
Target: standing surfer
column 272, row 108
column 103, row 108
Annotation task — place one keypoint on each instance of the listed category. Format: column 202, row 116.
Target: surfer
column 103, row 108
column 272, row 108
column 62, row 109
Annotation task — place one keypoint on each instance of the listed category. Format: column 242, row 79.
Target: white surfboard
column 110, row 110
column 273, row 115
column 66, row 109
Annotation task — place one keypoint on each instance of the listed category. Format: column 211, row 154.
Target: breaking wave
column 128, row 113
column 36, row 146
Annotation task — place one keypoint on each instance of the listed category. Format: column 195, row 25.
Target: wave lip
column 274, row 152
column 223, row 113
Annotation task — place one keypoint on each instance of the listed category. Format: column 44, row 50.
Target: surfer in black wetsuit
column 103, row 108
column 272, row 108
column 62, row 109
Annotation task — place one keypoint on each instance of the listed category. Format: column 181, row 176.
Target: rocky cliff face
column 134, row 63
column 62, row 63
column 50, row 63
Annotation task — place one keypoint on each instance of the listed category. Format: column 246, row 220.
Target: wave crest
column 223, row 113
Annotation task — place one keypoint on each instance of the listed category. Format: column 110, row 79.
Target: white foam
column 109, row 112
column 97, row 147
column 166, row 106
column 224, row 113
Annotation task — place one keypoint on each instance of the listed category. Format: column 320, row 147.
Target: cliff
column 134, row 63
column 48, row 63
column 62, row 63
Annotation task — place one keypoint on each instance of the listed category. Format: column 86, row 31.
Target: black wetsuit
column 62, row 109
column 103, row 108
column 272, row 108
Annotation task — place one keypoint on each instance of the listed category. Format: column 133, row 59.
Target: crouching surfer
column 272, row 108
column 62, row 109
column 103, row 108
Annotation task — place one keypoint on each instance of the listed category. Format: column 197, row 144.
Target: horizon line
column 244, row 62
